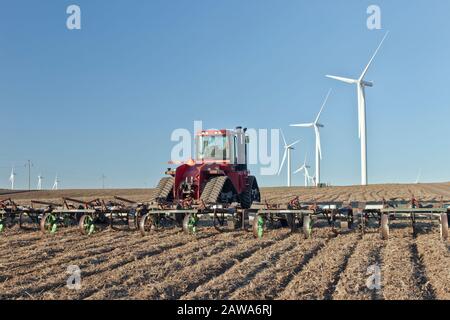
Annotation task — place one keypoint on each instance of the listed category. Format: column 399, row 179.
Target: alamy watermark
column 73, row 21
column 373, row 282
column 263, row 148
column 74, row 280
column 374, row 19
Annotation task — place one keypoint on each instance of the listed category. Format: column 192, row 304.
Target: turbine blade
column 373, row 57
column 302, row 125
column 282, row 161
column 323, row 105
column 299, row 169
column 342, row 79
column 284, row 139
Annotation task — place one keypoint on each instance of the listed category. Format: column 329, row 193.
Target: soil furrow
column 189, row 278
column 435, row 256
column 149, row 268
column 400, row 272
column 242, row 273
column 39, row 283
column 319, row 277
column 363, row 266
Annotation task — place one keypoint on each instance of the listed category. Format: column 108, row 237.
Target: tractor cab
column 218, row 175
column 222, row 146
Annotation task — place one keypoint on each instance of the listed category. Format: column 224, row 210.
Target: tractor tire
column 164, row 190
column 250, row 194
column 212, row 191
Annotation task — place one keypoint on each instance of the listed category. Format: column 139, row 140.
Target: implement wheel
column 147, row 224
column 444, row 226
column 258, row 226
column 190, row 222
column 307, row 226
column 86, row 225
column 49, row 223
column 179, row 217
column 290, row 220
column 384, row 226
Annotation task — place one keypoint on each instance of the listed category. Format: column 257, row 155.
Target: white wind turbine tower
column 304, row 168
column 362, row 132
column 12, row 178
column 316, row 125
column 419, row 176
column 39, row 184
column 55, row 184
column 287, row 153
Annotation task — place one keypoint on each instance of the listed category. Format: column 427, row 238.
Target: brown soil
column 171, row 265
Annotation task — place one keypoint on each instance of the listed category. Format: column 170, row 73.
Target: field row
column 172, row 265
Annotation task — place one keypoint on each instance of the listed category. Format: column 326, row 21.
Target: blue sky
column 105, row 99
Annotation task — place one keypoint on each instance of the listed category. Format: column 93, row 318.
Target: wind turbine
column 103, row 177
column 362, row 132
column 39, row 184
column 419, row 176
column 12, row 178
column 287, row 153
column 304, row 168
column 55, row 184
column 316, row 125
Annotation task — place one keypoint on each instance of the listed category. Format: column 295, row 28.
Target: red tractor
column 218, row 175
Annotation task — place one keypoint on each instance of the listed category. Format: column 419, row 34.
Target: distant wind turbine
column 316, row 125
column 12, row 178
column 304, row 168
column 287, row 153
column 362, row 132
column 103, row 177
column 55, row 184
column 419, row 176
column 39, row 184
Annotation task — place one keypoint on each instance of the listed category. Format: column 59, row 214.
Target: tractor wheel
column 86, row 225
column 216, row 188
column 190, row 222
column 164, row 190
column 444, row 226
column 384, row 226
column 250, row 194
column 258, row 226
column 307, row 226
column 49, row 223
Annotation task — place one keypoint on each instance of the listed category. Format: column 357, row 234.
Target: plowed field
column 210, row 265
